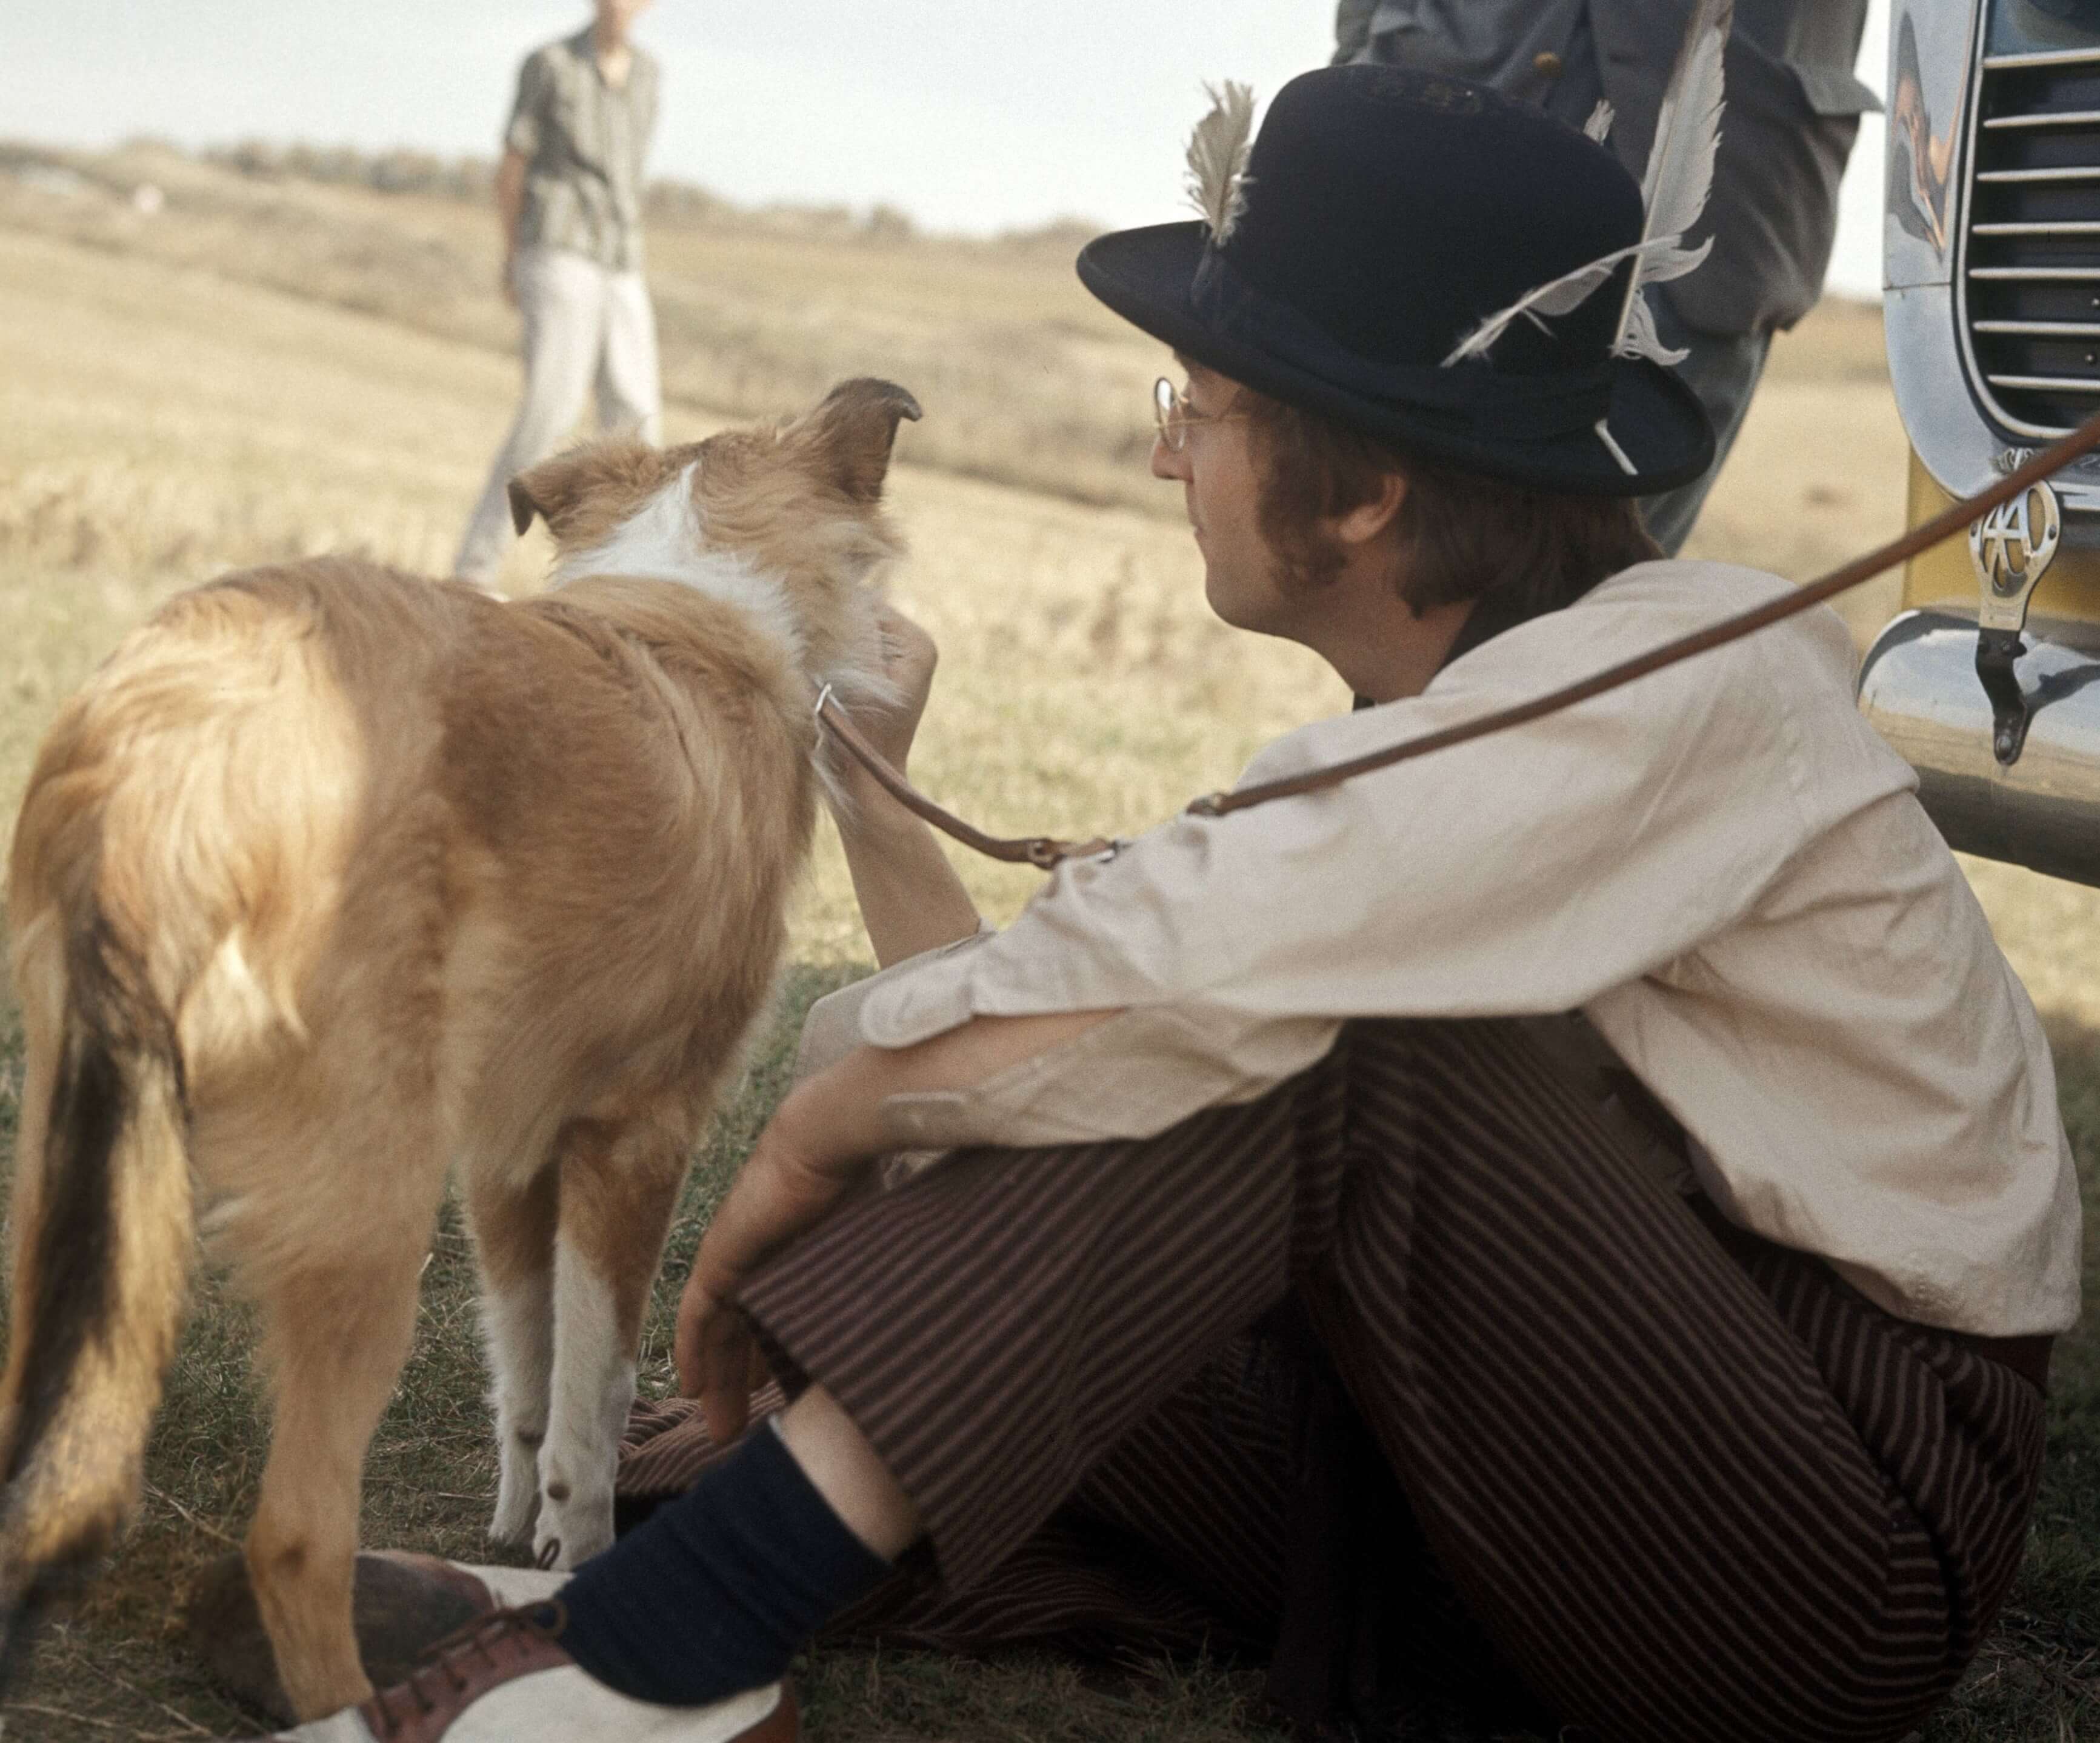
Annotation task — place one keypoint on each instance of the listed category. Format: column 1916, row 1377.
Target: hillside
column 1033, row 383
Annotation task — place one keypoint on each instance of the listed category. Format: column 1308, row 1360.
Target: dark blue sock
column 715, row 1592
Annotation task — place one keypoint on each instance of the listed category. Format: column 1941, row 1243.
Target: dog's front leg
column 593, row 1388
column 619, row 1188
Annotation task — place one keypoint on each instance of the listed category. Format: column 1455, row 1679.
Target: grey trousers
column 1723, row 373
column 586, row 328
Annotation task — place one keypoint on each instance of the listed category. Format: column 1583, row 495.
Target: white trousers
column 585, row 327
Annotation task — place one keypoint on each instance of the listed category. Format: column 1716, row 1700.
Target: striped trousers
column 1545, row 1435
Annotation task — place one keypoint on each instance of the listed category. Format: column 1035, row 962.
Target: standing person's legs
column 1723, row 370
column 1680, row 1503
column 630, row 396
column 562, row 299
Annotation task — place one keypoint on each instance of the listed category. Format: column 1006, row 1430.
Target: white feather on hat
column 1673, row 193
column 1217, row 180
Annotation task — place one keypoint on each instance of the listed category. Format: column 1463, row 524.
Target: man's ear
column 1370, row 519
column 852, row 431
column 621, row 470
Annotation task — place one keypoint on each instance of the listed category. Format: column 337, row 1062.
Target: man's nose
column 1166, row 463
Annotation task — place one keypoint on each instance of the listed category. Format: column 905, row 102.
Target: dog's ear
column 851, row 432
column 619, row 472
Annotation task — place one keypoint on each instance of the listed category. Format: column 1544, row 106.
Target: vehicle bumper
column 1918, row 687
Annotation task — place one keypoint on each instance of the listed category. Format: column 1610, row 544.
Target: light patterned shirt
column 584, row 142
column 1721, row 865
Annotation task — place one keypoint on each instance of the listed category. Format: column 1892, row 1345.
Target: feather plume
column 1598, row 126
column 1680, row 168
column 1641, row 339
column 1217, row 181
column 1562, row 296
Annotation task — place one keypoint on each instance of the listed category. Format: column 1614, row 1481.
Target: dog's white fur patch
column 593, row 1390
column 517, row 1322
column 663, row 540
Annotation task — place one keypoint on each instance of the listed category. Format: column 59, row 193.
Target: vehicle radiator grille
column 2031, row 302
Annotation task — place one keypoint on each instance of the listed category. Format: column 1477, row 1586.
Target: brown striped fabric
column 1681, row 1483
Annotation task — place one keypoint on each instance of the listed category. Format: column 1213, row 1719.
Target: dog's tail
column 180, row 835
column 103, row 1233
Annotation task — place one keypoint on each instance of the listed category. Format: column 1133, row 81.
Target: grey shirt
column 1793, row 110
column 584, row 142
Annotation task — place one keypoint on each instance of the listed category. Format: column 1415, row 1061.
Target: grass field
column 272, row 369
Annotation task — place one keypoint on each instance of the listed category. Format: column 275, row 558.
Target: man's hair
column 1459, row 535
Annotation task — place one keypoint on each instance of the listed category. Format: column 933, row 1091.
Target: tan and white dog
column 331, row 880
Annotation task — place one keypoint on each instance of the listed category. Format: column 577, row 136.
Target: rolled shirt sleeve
column 526, row 127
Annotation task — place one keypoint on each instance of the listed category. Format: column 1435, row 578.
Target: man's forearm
column 510, row 198
column 911, row 899
column 839, row 1116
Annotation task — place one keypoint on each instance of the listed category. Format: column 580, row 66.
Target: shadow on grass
column 115, row 1666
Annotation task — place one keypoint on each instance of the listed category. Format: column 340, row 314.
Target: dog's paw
column 572, row 1527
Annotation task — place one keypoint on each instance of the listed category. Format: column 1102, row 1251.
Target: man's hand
column 790, row 1180
column 510, row 210
column 909, row 657
column 819, row 1145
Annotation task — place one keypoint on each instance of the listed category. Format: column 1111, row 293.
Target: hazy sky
column 969, row 115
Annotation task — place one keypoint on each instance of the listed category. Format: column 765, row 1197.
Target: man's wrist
column 871, row 810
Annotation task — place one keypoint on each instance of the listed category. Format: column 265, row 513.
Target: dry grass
column 754, row 314
column 168, row 409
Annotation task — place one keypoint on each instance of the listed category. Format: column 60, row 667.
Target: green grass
column 117, row 1668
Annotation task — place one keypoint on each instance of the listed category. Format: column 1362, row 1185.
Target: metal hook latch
column 2011, row 547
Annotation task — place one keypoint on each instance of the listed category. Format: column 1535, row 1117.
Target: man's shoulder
column 574, row 50
column 1680, row 594
column 1650, row 606
column 1692, row 580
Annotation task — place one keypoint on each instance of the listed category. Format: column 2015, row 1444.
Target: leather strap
column 1047, row 853
column 1043, row 852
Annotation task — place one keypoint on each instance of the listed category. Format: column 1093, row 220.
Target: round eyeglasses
column 1172, row 415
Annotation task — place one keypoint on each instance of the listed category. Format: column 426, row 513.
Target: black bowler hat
column 1383, row 215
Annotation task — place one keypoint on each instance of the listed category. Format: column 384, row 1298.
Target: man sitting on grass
column 1571, row 1225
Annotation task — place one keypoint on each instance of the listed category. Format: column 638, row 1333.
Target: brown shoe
column 506, row 1678
column 403, row 1604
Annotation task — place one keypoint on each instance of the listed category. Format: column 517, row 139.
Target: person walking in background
column 569, row 193
column 1794, row 112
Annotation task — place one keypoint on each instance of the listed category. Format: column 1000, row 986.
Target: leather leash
column 1046, row 852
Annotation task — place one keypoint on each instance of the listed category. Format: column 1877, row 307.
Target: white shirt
column 1721, row 865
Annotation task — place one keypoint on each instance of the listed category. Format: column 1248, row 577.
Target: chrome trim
column 1948, row 408
column 2083, row 173
column 2048, row 57
column 2045, row 118
column 1938, row 402
column 2076, row 226
column 1928, row 119
column 1964, row 339
column 2042, row 329
column 2059, row 384
column 1918, row 688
